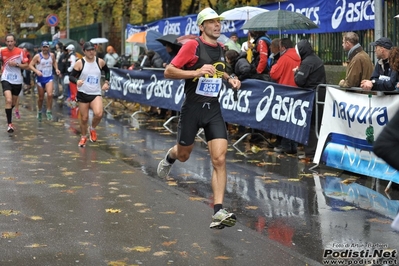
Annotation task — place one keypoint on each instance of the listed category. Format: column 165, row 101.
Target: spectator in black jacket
column 310, row 74
column 383, row 77
column 239, row 64
column 386, row 144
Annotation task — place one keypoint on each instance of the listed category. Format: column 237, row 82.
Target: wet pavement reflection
column 278, row 196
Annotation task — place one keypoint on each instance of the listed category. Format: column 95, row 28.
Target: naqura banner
column 345, row 141
column 282, row 110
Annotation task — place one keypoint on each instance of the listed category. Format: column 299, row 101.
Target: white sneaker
column 223, row 218
column 164, row 167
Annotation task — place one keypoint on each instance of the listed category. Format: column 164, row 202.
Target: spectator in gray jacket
column 153, row 59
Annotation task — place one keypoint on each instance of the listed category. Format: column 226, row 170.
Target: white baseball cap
column 70, row 47
column 207, row 13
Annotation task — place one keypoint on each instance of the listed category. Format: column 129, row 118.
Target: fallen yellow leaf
column 9, row 212
column 113, row 210
column 222, row 258
column 381, row 221
column 196, row 198
column 270, row 181
column 168, row 212
column 117, row 263
column 164, row 227
column 36, row 218
column 144, row 210
column 36, row 246
column 251, row 207
column 138, row 249
column 169, row 243
column 161, row 253
column 255, row 149
column 56, row 185
column 8, row 235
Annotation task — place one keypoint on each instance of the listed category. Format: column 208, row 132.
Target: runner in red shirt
column 13, row 60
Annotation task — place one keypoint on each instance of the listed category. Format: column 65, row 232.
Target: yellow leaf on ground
column 8, row 235
column 113, row 210
column 172, row 183
column 188, row 182
column 69, row 191
column 168, row 212
column 184, row 254
column 127, row 172
column 164, row 227
column 138, row 249
column 97, row 198
column 169, row 243
column 144, row 210
column 139, row 204
column 381, row 221
column 196, row 198
column 270, row 181
column 68, row 173
column 56, row 185
column 255, row 149
column 251, row 207
column 36, row 218
column 222, row 258
column 36, row 246
column 161, row 253
column 123, row 196
column 9, row 212
column 117, row 263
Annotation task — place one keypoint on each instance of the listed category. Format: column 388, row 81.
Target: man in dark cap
column 383, row 77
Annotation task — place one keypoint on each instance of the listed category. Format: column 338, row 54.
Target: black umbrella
column 27, row 45
column 170, row 39
column 66, row 42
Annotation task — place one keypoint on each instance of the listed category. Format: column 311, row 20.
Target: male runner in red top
column 13, row 60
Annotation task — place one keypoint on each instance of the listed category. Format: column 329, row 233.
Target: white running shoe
column 164, row 167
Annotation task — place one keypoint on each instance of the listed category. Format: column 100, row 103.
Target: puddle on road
column 275, row 195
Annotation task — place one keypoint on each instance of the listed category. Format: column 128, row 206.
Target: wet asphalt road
column 104, row 204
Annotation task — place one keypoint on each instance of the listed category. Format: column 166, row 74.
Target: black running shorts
column 196, row 115
column 14, row 88
column 85, row 98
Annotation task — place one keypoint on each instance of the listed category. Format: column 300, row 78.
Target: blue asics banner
column 330, row 16
column 273, row 108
